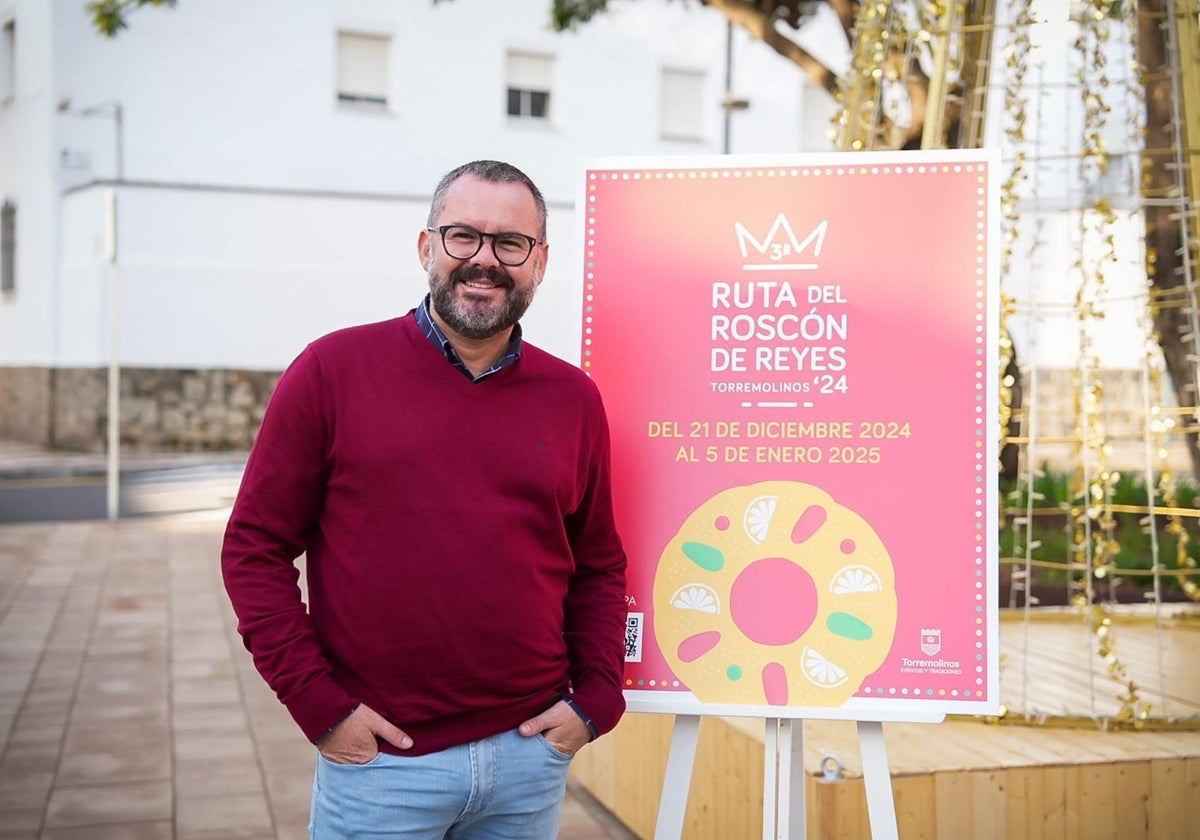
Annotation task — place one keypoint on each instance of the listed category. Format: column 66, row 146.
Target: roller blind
column 363, row 68
column 529, row 71
column 681, row 104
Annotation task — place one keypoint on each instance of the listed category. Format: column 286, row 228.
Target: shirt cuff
column 575, row 707
column 339, row 723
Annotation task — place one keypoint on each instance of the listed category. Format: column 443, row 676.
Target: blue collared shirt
column 438, row 339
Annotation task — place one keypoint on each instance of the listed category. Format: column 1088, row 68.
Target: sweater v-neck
column 437, row 338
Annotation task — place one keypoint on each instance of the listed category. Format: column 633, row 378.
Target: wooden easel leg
column 881, row 806
column 680, row 761
column 784, row 815
column 770, row 778
column 793, row 816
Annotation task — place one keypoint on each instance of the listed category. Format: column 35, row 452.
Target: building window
column 681, row 105
column 529, row 83
column 8, row 60
column 362, row 65
column 8, row 247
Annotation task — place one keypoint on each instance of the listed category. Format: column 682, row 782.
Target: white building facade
column 272, row 163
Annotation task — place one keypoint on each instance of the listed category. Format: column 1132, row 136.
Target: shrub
column 1053, row 528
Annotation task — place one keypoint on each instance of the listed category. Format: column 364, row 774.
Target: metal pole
column 114, row 362
column 119, row 120
column 728, row 83
column 935, row 109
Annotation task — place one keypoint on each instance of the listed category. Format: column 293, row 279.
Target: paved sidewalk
column 129, row 709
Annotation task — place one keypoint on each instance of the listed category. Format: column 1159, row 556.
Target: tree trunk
column 1175, row 304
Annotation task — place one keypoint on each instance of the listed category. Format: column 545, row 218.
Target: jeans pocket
column 328, row 762
column 553, row 750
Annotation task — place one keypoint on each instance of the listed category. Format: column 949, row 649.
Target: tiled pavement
column 129, row 709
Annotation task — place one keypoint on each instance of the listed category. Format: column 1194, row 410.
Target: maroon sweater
column 463, row 568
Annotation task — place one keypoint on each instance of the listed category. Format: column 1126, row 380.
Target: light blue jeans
column 506, row 787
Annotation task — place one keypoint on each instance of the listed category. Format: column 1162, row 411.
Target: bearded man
column 449, row 486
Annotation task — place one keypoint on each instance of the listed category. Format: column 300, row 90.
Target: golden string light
column 1094, row 537
column 1016, row 66
column 1161, row 424
column 896, row 45
column 888, row 38
column 859, row 89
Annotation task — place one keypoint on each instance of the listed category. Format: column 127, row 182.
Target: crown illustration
column 781, row 240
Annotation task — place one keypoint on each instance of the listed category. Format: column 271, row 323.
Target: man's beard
column 479, row 321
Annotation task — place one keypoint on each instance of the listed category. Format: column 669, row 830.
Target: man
column 449, row 486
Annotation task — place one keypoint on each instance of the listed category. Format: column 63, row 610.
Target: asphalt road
column 143, row 493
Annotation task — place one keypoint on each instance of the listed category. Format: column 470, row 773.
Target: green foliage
column 568, row 15
column 1135, row 537
column 1049, row 490
column 111, row 16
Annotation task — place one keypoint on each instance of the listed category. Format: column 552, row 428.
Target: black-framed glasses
column 463, row 242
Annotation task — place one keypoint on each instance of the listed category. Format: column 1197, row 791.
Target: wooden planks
column 964, row 778
column 1050, row 666
column 953, row 780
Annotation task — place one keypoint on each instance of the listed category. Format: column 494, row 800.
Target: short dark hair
column 493, row 172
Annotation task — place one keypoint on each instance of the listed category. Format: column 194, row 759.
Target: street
column 145, row 492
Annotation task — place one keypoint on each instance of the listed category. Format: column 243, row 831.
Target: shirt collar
column 438, row 339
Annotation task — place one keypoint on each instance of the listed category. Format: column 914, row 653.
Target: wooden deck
column 1052, row 668
column 966, row 778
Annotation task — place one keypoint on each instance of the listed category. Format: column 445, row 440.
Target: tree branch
column 762, row 27
column 845, row 13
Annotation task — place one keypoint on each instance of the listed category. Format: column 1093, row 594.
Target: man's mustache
column 495, row 276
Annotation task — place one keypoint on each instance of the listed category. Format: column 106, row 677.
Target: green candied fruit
column 734, row 672
column 848, row 627
column 705, row 556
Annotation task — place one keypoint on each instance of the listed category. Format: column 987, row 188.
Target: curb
column 91, row 466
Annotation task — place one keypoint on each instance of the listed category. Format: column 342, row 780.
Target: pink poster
column 798, row 358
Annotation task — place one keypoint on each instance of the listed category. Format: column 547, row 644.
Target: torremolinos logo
column 780, row 249
column 931, row 641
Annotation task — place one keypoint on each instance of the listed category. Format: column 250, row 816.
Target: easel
column 784, row 812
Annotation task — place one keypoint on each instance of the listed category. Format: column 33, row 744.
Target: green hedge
column 1133, row 543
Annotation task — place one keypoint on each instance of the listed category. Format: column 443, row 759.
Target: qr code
column 633, row 637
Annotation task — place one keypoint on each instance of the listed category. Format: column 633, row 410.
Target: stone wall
column 25, row 398
column 161, row 410
column 207, row 410
column 1122, row 409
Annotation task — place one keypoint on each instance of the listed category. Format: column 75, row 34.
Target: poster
column 798, row 357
